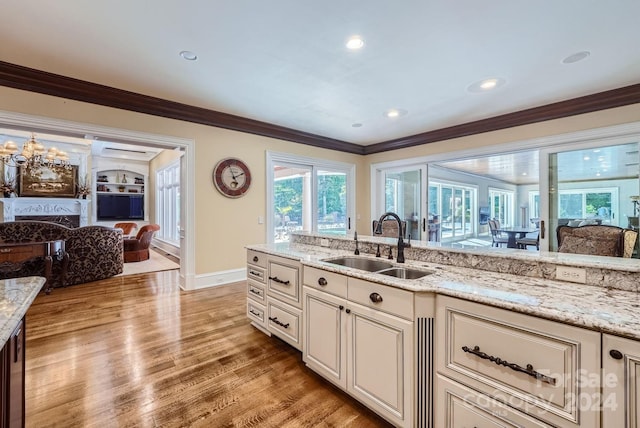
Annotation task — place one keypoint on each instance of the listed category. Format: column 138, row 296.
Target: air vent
column 124, row 150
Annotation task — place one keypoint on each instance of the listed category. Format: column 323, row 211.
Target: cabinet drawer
column 283, row 283
column 460, row 407
column 285, row 322
column 256, row 258
column 326, row 281
column 256, row 313
column 256, row 273
column 256, row 292
column 394, row 300
column 536, row 365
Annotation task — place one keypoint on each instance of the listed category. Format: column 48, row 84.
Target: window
column 501, row 205
column 305, row 194
column 455, row 207
column 168, row 203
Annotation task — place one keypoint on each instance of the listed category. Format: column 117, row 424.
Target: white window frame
column 167, row 210
column 316, row 165
column 510, row 200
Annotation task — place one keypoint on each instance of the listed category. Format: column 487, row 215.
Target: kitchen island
column 486, row 328
column 16, row 296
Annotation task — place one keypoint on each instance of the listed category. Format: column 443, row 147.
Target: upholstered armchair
column 137, row 249
column 127, row 227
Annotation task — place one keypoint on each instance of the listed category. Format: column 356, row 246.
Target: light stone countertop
column 598, row 308
column 16, row 296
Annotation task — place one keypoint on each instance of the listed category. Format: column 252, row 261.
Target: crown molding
column 29, row 79
column 600, row 101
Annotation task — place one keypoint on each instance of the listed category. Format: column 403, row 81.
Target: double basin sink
column 378, row 266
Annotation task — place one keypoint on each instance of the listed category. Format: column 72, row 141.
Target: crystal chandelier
column 33, row 154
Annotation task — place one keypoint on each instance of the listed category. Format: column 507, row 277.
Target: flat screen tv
column 120, row 207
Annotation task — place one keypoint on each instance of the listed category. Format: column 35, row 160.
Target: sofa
column 95, row 252
column 597, row 240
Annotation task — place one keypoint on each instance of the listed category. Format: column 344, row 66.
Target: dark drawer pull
column 255, row 259
column 255, row 292
column 255, row 313
column 499, row 361
column 375, row 297
column 322, row 281
column 254, row 273
column 279, row 281
column 275, row 320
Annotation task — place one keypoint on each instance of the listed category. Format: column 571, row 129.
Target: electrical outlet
column 324, row 242
column 260, row 219
column 565, row 273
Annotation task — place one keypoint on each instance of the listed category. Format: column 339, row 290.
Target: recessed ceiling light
column 486, row 84
column 188, row 55
column 354, row 43
column 586, row 158
column 524, row 173
column 578, row 56
column 395, row 112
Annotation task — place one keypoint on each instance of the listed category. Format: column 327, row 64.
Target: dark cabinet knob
column 348, row 311
column 255, row 259
column 341, row 307
column 322, row 281
column 615, row 354
column 375, row 297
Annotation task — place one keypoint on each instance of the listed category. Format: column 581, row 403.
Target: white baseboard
column 215, row 279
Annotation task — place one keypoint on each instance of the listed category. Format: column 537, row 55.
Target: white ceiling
column 284, row 61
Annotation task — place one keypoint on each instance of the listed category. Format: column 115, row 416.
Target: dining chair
column 597, row 240
column 497, row 239
column 390, row 228
column 530, row 239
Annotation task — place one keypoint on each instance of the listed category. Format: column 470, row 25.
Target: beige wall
column 224, row 226
column 163, row 159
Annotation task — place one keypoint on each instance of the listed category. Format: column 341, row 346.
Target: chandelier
column 33, row 154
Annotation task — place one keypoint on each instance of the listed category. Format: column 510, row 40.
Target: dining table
column 514, row 233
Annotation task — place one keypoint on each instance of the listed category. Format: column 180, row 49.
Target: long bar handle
column 513, row 366
column 278, row 280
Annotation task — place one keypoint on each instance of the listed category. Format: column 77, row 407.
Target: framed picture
column 52, row 181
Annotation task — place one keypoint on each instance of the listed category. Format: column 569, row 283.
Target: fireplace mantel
column 45, row 207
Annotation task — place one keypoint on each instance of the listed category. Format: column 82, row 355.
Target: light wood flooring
column 136, row 351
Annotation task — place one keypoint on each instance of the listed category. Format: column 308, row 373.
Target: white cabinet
column 363, row 350
column 274, row 296
column 543, row 368
column 620, row 382
column 325, row 347
column 380, row 362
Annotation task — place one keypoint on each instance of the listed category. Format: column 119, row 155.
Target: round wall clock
column 232, row 177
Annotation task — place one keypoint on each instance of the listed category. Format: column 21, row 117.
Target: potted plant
column 8, row 185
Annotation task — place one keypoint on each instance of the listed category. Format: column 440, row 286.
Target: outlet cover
column 565, row 273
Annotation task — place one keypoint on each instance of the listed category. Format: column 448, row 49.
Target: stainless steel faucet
column 378, row 231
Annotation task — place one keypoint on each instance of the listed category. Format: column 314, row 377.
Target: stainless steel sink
column 369, row 265
column 404, row 273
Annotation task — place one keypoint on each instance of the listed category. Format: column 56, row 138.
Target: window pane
column 332, row 202
column 291, row 200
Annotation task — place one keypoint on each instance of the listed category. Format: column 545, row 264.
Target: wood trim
column 589, row 103
column 29, row 79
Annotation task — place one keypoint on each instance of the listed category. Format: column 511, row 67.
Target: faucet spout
column 378, row 231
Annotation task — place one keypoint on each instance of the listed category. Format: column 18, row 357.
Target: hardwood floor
column 136, row 351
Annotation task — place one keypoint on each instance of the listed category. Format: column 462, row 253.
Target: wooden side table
column 14, row 255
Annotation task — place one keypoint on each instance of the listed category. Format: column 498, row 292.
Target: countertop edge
column 16, row 296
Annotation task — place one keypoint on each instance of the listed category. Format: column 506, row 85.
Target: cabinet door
column 620, row 382
column 380, row 362
column 325, row 338
column 15, row 381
